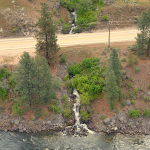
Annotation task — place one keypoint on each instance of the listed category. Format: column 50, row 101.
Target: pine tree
column 43, row 84
column 24, row 78
column 46, row 38
column 143, row 38
column 115, row 64
column 111, row 89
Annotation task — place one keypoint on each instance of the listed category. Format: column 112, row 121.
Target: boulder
column 128, row 102
column 16, row 121
column 107, row 121
column 49, row 122
column 122, row 119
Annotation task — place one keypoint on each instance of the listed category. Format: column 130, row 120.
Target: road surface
column 24, row 44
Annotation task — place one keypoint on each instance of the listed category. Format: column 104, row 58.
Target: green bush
column 104, row 17
column 146, row 98
column 147, row 112
column 123, row 59
column 118, row 111
column 132, row 102
column 66, row 78
column 63, row 59
column 54, row 11
column 149, row 86
column 78, row 29
column 85, row 99
column 61, row 20
column 136, row 69
column 55, row 109
column 134, row 113
column 68, row 85
column 123, row 104
column 102, row 117
column 135, row 90
column 89, row 63
column 135, row 60
column 3, row 93
column 12, row 81
column 38, row 112
column 130, row 60
column 17, row 110
column 129, row 84
column 74, row 69
column 4, row 73
column 66, row 28
column 84, row 115
column 131, row 78
column 67, row 112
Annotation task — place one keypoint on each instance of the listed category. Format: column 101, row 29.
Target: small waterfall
column 72, row 28
column 77, row 115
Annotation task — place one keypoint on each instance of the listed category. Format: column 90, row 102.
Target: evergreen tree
column 46, row 38
column 43, row 84
column 115, row 64
column 144, row 21
column 143, row 38
column 24, row 78
column 111, row 89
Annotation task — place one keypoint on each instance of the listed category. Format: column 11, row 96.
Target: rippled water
column 22, row 141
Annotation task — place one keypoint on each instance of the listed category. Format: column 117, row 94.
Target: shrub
column 4, row 73
column 85, row 99
column 74, row 69
column 17, row 110
column 123, row 59
column 134, row 113
column 68, row 85
column 117, row 111
column 102, row 117
column 135, row 60
column 78, row 29
column 147, row 112
column 61, row 20
column 104, row 17
column 136, row 69
column 123, row 104
column 130, row 60
column 12, row 81
column 3, row 93
column 131, row 78
column 66, row 78
column 129, row 85
column 38, row 112
column 132, row 102
column 135, row 90
column 146, row 98
column 63, row 59
column 66, row 28
column 67, row 112
column 149, row 86
column 55, row 109
column 54, row 11
column 88, row 63
column 84, row 115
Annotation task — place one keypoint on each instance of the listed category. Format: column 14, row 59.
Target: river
column 47, row 141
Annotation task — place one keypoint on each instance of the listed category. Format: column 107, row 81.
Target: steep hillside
column 17, row 17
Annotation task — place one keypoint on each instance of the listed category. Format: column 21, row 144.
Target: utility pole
column 109, row 35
